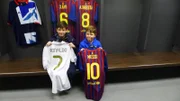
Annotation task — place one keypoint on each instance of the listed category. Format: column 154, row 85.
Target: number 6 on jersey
column 90, row 71
column 63, row 17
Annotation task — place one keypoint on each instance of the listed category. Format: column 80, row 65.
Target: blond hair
column 92, row 29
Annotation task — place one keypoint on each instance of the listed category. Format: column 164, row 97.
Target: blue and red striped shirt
column 93, row 65
column 86, row 13
column 60, row 11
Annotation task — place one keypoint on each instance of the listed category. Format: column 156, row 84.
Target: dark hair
column 62, row 24
column 92, row 29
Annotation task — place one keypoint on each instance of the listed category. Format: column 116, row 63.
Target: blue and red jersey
column 60, row 11
column 86, row 14
column 93, row 65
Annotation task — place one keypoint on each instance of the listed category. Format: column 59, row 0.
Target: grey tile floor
column 149, row 90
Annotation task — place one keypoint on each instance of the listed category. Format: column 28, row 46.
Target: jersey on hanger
column 60, row 11
column 86, row 14
column 24, row 17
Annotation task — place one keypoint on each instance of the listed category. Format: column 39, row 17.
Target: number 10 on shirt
column 90, row 71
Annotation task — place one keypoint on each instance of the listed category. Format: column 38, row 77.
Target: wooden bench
column 143, row 60
column 33, row 67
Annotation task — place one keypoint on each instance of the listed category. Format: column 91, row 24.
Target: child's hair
column 62, row 24
column 92, row 29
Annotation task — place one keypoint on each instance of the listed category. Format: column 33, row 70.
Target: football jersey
column 24, row 17
column 56, row 60
column 86, row 14
column 60, row 11
column 94, row 66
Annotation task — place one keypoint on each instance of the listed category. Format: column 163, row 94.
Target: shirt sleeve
column 99, row 45
column 73, row 56
column 72, row 14
column 80, row 47
column 70, row 38
column 53, row 37
column 79, row 62
column 53, row 17
column 45, row 58
column 96, row 14
column 105, row 62
column 37, row 15
column 10, row 14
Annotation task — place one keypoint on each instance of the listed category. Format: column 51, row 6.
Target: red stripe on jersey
column 100, row 75
column 94, row 91
column 85, row 76
column 96, row 86
column 99, row 80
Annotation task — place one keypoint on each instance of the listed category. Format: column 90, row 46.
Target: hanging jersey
column 94, row 65
column 24, row 17
column 60, row 11
column 56, row 60
column 86, row 14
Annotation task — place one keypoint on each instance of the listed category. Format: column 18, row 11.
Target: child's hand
column 82, row 49
column 49, row 43
column 72, row 45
